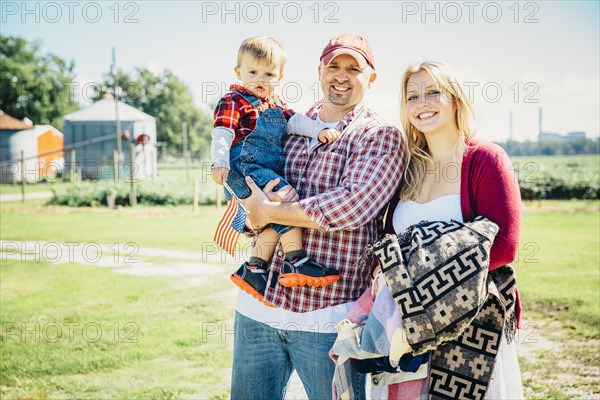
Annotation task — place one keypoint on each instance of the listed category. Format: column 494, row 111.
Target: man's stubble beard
column 338, row 100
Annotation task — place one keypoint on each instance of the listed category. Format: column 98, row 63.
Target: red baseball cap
column 351, row 44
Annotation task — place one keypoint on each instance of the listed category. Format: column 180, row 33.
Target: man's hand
column 286, row 194
column 219, row 174
column 328, row 135
column 255, row 205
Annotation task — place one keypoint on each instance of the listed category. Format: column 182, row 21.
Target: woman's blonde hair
column 263, row 48
column 419, row 156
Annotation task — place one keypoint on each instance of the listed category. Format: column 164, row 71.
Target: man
column 343, row 188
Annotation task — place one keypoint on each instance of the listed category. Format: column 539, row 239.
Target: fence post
column 218, row 194
column 196, row 195
column 116, row 166
column 186, row 156
column 23, row 183
column 132, row 192
column 73, row 165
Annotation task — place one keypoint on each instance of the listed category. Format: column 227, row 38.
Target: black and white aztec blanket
column 437, row 273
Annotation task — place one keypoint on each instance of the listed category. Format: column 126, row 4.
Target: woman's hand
column 255, row 205
column 286, row 194
column 377, row 281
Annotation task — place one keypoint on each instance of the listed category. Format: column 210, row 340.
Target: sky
column 511, row 56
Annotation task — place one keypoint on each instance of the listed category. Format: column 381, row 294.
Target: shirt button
column 303, row 151
column 303, row 179
column 375, row 381
column 280, row 253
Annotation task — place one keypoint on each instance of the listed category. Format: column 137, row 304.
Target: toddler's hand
column 219, row 174
column 329, row 136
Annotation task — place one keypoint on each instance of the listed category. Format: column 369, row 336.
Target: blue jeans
column 264, row 359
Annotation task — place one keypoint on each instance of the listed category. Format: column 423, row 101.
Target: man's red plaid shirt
column 344, row 188
column 236, row 113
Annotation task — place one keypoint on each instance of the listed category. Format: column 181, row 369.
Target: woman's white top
column 443, row 208
column 506, row 379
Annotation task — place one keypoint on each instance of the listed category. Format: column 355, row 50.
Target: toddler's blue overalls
column 259, row 155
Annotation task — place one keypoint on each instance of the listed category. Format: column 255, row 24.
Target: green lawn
column 152, row 344
column 558, row 272
column 163, row 227
column 558, row 276
column 82, row 332
column 9, row 188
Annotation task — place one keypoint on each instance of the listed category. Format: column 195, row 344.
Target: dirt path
column 28, row 196
column 550, row 362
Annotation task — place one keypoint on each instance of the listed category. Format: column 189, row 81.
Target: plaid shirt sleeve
column 227, row 113
column 365, row 185
column 288, row 113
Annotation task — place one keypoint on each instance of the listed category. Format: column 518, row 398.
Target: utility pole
column 113, row 69
column 510, row 126
column 186, row 156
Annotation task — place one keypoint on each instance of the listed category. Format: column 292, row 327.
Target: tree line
column 40, row 87
column 552, row 148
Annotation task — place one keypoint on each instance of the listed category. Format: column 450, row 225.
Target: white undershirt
column 410, row 212
column 323, row 320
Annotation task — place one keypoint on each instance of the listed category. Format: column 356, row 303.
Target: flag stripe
column 230, row 226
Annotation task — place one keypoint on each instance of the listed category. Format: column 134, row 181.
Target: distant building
column 40, row 145
column 92, row 133
column 556, row 137
column 549, row 137
column 576, row 135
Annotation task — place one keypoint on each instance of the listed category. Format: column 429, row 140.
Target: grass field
column 558, row 272
column 589, row 162
column 94, row 334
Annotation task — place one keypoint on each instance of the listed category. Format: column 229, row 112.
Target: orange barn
column 41, row 145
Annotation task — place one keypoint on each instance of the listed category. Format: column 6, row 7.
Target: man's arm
column 263, row 211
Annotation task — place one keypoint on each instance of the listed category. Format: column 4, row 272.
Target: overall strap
column 250, row 98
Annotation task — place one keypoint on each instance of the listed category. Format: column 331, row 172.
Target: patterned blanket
column 437, row 273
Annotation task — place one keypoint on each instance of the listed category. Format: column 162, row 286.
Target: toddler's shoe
column 253, row 281
column 306, row 272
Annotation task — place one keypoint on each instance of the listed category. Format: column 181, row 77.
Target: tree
column 34, row 85
column 169, row 100
column 549, row 148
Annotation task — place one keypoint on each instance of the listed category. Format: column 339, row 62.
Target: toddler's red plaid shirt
column 236, row 113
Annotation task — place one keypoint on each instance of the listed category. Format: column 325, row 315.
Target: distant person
column 343, row 188
column 250, row 124
column 145, row 158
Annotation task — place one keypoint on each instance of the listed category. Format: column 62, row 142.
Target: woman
column 450, row 176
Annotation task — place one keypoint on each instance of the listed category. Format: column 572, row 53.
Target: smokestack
column 540, row 121
column 510, row 126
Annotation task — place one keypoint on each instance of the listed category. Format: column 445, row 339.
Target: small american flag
column 230, row 226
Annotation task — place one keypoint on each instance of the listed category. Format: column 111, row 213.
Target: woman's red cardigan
column 489, row 187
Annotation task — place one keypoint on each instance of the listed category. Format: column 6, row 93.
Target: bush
column 150, row 193
column 548, row 187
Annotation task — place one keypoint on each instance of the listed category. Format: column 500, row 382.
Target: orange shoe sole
column 246, row 287
column 293, row 280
